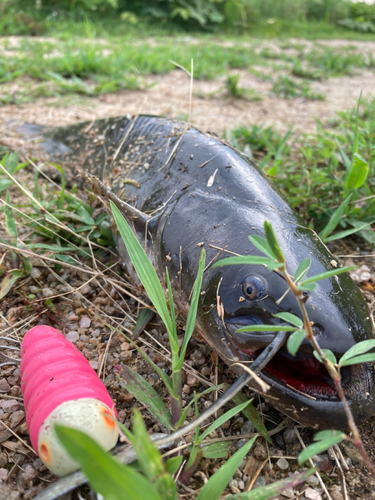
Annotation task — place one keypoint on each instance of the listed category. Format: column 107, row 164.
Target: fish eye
column 253, row 288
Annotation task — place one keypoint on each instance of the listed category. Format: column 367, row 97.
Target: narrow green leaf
column 145, row 316
column 348, row 232
column 105, row 474
column 11, row 162
column 10, row 223
column 323, row 441
column 295, row 340
column 215, row 450
column 327, row 274
column 262, row 245
column 63, row 184
column 174, row 344
column 358, row 173
column 190, row 322
column 186, row 409
column 166, row 487
column 219, row 421
column 251, row 414
column 173, row 464
column 334, row 220
column 146, row 394
column 310, row 287
column 143, row 267
column 7, row 283
column 273, row 490
column 290, row 318
column 328, row 354
column 302, row 269
column 148, row 455
column 273, row 243
column 248, row 259
column 266, row 328
column 364, row 358
column 357, row 349
column 5, row 184
column 217, row 483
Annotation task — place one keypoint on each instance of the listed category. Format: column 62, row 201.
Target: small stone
column 85, row 322
column 3, row 474
column 16, row 418
column 234, row 483
column 4, row 386
column 261, row 481
column 241, row 485
column 192, row 380
column 7, row 493
column 205, row 371
column 35, row 273
column 94, row 364
column 10, row 406
column 86, row 290
column 313, row 481
column 3, row 459
column 187, row 389
column 13, row 379
column 37, row 464
column 289, row 493
column 290, row 436
column 282, row 464
column 84, row 339
column 311, row 494
column 335, row 493
column 34, row 289
column 125, row 346
column 126, row 355
column 247, row 427
column 260, row 452
column 48, row 292
column 73, row 317
column 72, row 336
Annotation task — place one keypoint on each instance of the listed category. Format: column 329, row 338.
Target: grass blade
column 146, row 394
column 217, row 483
column 144, row 268
column 105, row 474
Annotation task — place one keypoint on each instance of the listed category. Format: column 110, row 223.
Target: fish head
column 236, row 296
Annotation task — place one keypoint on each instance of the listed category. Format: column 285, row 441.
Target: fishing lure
column 59, row 386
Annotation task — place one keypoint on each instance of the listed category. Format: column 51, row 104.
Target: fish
column 182, row 190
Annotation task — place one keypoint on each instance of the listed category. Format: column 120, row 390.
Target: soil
column 83, row 304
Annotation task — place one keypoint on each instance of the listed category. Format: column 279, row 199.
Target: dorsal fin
column 107, row 195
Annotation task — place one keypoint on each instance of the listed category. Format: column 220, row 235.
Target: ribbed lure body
column 59, row 386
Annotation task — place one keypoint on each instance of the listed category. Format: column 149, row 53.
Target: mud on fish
column 180, row 190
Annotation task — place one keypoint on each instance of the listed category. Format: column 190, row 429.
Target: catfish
column 181, row 190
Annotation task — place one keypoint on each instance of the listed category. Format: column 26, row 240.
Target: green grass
column 91, row 66
column 311, row 170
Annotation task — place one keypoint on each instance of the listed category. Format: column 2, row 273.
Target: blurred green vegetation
column 256, row 17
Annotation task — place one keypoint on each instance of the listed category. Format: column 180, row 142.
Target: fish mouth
column 303, row 374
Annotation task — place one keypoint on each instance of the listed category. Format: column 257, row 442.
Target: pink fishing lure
column 59, row 385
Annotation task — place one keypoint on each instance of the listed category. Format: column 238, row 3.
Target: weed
column 234, row 90
column 313, row 176
column 288, row 88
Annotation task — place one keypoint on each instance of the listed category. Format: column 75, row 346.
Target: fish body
column 182, row 190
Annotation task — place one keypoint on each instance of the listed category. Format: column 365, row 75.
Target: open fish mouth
column 305, row 375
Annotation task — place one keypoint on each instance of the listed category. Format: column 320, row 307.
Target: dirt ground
column 77, row 311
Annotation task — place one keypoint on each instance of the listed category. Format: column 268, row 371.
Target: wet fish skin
column 198, row 190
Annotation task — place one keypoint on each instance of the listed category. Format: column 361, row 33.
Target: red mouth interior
column 303, row 373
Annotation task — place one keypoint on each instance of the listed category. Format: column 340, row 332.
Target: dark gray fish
column 181, row 190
